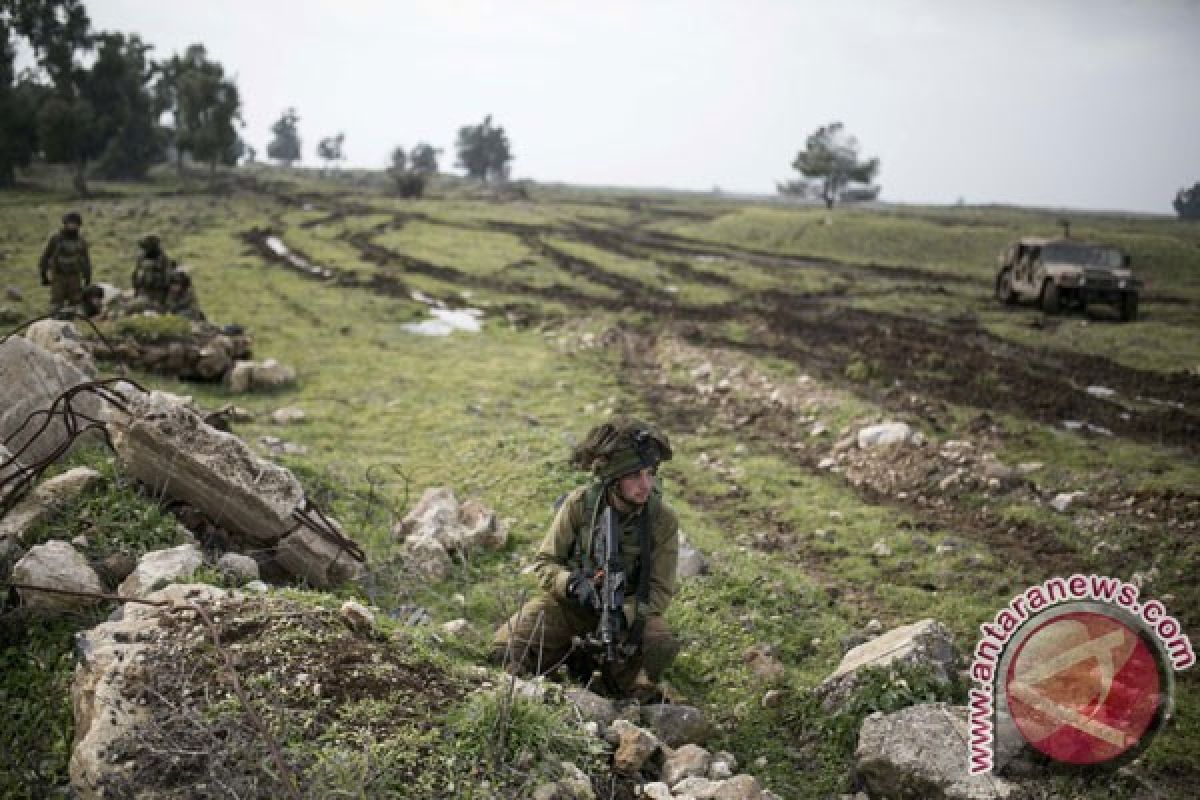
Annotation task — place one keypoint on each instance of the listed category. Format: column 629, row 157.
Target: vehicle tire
column 1051, row 299
column 1004, row 290
column 1129, row 306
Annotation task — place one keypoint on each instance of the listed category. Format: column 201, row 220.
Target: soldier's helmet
column 621, row 446
column 72, row 218
column 149, row 242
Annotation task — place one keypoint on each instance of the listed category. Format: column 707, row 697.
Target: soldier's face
column 71, row 227
column 637, row 486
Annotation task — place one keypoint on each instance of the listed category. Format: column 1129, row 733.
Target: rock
column 438, row 522
column 925, row 644
column 257, row 587
column 995, row 470
column 177, row 455
column 635, row 747
column 1101, row 391
column 238, row 569
column 881, row 549
column 31, row 378
column 357, row 616
column 456, row 628
column 874, row 628
column 271, row 376
column 698, row 788
column 676, row 724
column 772, row 698
column 56, row 565
column 480, row 528
column 46, row 499
column 13, row 294
column 215, row 358
column 592, row 707
column 1029, row 467
column 158, row 568
column 312, row 557
column 739, row 787
column 254, row 376
column 764, row 663
column 116, row 567
column 1063, row 501
column 289, row 415
column 657, row 791
column 685, row 762
column 574, row 785
column 919, row 752
column 691, row 561
column 724, row 765
column 883, row 435
column 62, row 338
column 240, row 378
column 427, row 558
column 109, row 656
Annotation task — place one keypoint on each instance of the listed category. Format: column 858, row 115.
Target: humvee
column 1067, row 273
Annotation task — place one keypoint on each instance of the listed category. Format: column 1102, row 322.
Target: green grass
column 492, row 416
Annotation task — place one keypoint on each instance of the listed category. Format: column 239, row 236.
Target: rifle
column 607, row 543
column 604, row 642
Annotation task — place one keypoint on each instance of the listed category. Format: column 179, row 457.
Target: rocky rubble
column 177, row 455
column 439, row 527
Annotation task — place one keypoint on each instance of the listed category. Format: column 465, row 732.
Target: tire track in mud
column 957, row 362
column 965, row 365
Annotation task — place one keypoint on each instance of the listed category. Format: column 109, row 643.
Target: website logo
column 1077, row 669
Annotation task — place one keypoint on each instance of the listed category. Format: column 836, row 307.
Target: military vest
column 68, row 255
column 639, row 565
column 153, row 271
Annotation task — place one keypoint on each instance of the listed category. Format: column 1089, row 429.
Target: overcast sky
column 1088, row 103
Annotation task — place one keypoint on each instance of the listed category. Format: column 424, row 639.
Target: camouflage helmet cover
column 149, row 242
column 621, row 446
column 72, row 218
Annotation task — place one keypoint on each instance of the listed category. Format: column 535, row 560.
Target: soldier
column 65, row 265
column 623, row 456
column 181, row 298
column 151, row 272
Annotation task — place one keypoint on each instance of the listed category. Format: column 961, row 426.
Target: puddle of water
column 276, row 246
column 446, row 321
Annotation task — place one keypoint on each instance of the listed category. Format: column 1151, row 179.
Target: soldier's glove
column 633, row 640
column 581, row 589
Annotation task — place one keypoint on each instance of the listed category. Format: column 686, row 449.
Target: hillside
column 762, row 339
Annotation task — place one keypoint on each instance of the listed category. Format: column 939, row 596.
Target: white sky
column 1079, row 103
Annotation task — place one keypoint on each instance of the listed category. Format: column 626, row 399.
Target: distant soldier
column 65, row 265
column 181, row 297
column 151, row 272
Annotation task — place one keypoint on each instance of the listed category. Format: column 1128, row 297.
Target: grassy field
column 609, row 302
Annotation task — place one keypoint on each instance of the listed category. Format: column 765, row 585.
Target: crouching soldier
column 623, row 456
column 65, row 265
column 151, row 272
column 181, row 297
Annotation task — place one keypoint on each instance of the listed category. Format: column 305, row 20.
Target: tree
column 425, row 158
column 1187, row 202
column 329, row 149
column 19, row 100
column 483, row 151
column 118, row 87
column 285, row 147
column 67, row 129
column 410, row 182
column 830, row 161
column 206, row 105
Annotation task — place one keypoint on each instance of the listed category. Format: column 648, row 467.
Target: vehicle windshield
column 1084, row 255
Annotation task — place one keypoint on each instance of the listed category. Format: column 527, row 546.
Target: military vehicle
column 1067, row 273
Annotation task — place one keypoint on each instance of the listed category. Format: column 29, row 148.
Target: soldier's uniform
column 541, row 634
column 181, row 297
column 65, row 264
column 151, row 272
